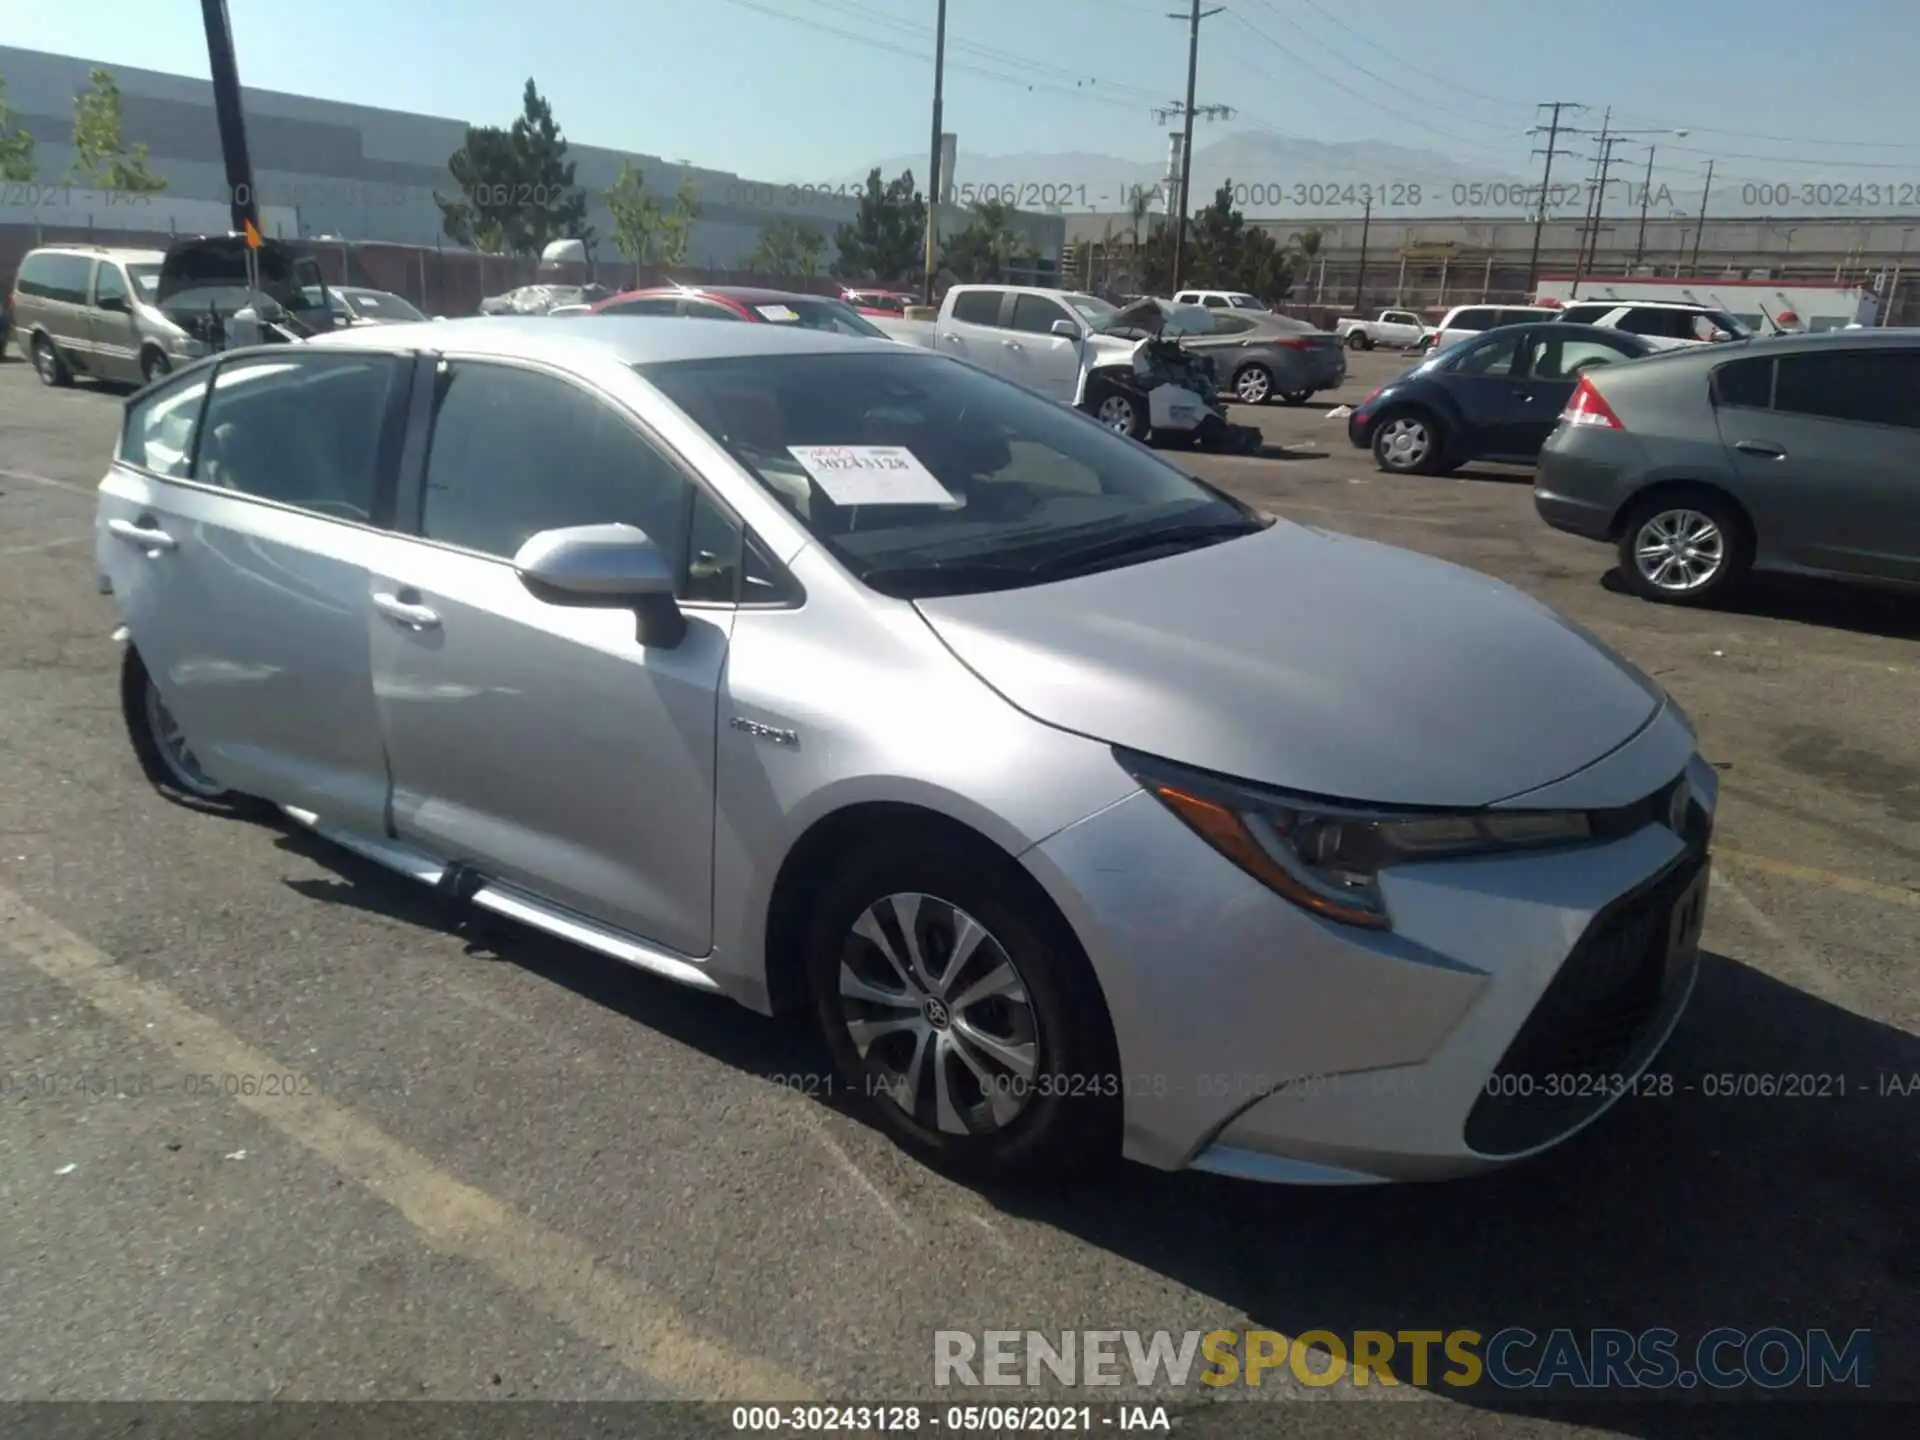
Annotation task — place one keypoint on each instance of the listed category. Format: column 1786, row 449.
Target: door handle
column 415, row 617
column 1012, row 344
column 144, row 534
column 1760, row 447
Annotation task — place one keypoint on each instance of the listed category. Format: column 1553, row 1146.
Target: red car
column 738, row 302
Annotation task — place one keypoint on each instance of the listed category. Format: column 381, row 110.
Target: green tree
column 636, row 217
column 810, row 243
column 778, row 252
column 987, row 247
column 16, row 145
column 102, row 157
column 517, row 181
column 676, row 225
column 886, row 240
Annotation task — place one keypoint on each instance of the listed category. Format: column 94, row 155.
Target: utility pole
column 1546, row 182
column 1646, row 191
column 1193, row 19
column 1590, row 221
column 1360, row 283
column 1693, row 265
column 934, row 187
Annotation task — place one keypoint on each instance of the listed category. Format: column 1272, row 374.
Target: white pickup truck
column 1047, row 340
column 1394, row 329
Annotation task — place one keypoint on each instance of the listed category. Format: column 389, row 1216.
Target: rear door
column 111, row 327
column 1042, row 360
column 540, row 743
column 1833, row 467
column 976, row 326
column 236, row 530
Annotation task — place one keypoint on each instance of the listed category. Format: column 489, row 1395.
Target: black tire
column 1252, row 385
column 1734, row 549
column 1070, row 1116
column 1359, row 340
column 1395, row 460
column 135, row 685
column 48, row 363
column 154, row 364
column 1102, row 398
column 1297, row 397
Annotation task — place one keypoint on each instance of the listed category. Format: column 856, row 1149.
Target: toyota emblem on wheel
column 937, row 1014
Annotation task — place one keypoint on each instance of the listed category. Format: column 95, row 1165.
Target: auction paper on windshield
column 871, row 475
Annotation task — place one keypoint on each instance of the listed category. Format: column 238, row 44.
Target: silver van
column 90, row 310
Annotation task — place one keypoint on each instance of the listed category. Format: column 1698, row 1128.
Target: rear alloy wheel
column 968, row 1026
column 1359, row 340
column 1683, row 550
column 1407, row 442
column 166, row 757
column 1253, row 385
column 47, row 363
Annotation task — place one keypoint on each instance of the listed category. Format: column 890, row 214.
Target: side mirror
column 605, row 567
column 1066, row 330
column 1721, row 335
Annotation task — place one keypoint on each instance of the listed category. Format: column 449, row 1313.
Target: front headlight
column 1327, row 857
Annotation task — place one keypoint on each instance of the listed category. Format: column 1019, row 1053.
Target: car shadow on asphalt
column 1712, row 1205
column 1830, row 604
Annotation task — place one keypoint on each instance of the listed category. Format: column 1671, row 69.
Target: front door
column 1044, row 361
column 542, row 744
column 1485, row 381
column 1833, row 469
column 1553, row 365
column 237, row 547
column 111, row 329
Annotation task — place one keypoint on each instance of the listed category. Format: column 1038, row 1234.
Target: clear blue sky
column 800, row 90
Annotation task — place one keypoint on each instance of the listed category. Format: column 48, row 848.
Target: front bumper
column 1259, row 1041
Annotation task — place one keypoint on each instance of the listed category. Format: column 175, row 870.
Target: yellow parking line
column 1847, row 884
column 555, row 1272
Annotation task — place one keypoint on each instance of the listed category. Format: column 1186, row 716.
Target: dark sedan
column 1495, row 397
column 1262, row 357
column 1798, row 454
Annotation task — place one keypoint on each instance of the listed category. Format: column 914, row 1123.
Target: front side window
column 1035, row 314
column 159, row 428
column 924, row 476
column 109, row 287
column 1490, row 357
column 303, row 430
column 515, row 452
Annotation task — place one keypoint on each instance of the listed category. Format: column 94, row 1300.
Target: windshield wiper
column 1168, row 538
column 926, row 578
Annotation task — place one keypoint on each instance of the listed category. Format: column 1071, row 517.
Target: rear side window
column 52, row 275
column 978, row 307
column 159, row 429
column 1472, row 320
column 1587, row 314
column 655, row 305
column 1868, row 387
column 302, row 431
column 1745, row 383
column 1663, row 324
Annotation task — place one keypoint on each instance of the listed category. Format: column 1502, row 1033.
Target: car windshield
column 836, row 317
column 381, row 305
column 146, row 279
column 1244, row 302
column 924, row 476
column 1092, row 309
column 1737, row 329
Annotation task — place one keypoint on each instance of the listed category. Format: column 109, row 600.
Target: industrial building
column 356, row 173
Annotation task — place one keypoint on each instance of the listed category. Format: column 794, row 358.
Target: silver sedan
column 1083, row 810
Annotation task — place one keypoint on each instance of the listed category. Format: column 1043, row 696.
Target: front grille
column 1592, row 1027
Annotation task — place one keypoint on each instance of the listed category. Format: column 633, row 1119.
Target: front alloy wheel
column 1120, row 414
column 940, row 1014
column 1406, row 444
column 1253, row 385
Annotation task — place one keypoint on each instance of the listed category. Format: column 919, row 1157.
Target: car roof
column 624, row 339
column 745, row 294
column 124, row 254
column 1644, row 304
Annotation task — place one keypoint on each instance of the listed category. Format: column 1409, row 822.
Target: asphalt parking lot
column 475, row 1164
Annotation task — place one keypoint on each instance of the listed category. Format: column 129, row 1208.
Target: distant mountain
column 1272, row 175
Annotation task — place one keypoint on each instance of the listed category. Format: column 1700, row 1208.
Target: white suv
column 1220, row 299
column 1465, row 320
column 1663, row 324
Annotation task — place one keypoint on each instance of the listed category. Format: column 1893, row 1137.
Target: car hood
column 1313, row 662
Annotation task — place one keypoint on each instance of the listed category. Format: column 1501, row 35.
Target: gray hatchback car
column 1796, row 454
column 842, row 678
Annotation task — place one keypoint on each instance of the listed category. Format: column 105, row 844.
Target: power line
column 1452, row 82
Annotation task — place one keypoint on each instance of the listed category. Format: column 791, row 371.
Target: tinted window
column 1665, row 324
column 51, row 275
column 1747, row 383
column 1472, row 320
column 1876, row 387
column 1215, row 302
column 1036, row 313
column 1587, row 314
column 158, row 433
column 1014, row 476
column 708, row 310
column 654, row 305
column 1400, row 317
column 515, row 452
column 109, row 284
column 1555, row 358
column 978, row 307
column 1488, row 357
column 1520, row 317
column 1225, row 324
column 302, row 431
